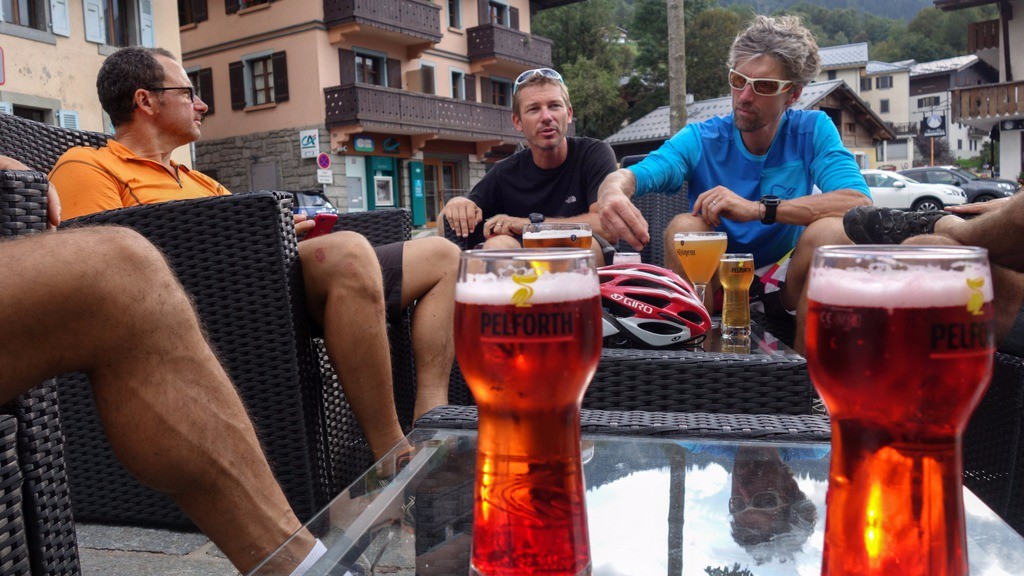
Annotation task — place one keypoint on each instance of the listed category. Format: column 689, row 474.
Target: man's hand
column 463, row 215
column 975, row 208
column 303, row 224
column 620, row 218
column 503, row 224
column 720, row 202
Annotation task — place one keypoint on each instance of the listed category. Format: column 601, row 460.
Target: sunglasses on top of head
column 530, row 74
column 761, row 86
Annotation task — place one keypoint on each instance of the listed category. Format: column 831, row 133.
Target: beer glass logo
column 521, row 297
column 977, row 298
column 573, row 238
column 684, row 251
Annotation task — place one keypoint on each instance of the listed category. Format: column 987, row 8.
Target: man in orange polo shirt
column 350, row 286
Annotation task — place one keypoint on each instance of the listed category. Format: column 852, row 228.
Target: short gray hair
column 784, row 38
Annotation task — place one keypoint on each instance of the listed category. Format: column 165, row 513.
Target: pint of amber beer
column 736, row 273
column 528, row 339
column 557, row 235
column 899, row 345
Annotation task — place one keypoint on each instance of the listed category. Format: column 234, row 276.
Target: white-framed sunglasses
column 544, row 72
column 762, row 86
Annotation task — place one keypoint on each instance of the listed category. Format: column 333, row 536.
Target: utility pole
column 676, row 66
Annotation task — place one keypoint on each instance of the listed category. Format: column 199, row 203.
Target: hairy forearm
column 804, row 211
column 590, row 217
column 621, row 180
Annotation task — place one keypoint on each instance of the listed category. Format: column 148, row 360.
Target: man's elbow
column 862, row 200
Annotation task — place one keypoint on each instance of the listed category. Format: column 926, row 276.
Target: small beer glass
column 528, row 340
column 698, row 254
column 899, row 345
column 557, row 235
column 736, row 272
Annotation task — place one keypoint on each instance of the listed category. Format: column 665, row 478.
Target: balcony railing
column 982, row 35
column 411, row 112
column 903, row 128
column 992, row 101
column 493, row 41
column 414, row 18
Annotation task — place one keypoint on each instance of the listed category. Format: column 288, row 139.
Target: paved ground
column 122, row 551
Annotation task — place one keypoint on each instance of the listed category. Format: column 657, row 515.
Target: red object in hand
column 324, row 224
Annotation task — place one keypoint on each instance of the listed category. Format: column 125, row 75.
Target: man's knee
column 342, row 260
column 501, row 242
column 127, row 259
column 821, row 233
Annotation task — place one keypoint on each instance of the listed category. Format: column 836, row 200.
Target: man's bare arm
column 620, row 218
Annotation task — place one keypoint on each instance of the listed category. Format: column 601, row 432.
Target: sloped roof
column 954, row 64
column 655, row 125
column 844, row 55
column 876, row 67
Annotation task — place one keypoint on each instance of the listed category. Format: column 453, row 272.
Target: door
column 355, row 174
column 432, row 190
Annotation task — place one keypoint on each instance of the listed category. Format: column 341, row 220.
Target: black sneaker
column 873, row 225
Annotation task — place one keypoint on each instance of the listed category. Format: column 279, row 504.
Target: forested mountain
column 896, row 9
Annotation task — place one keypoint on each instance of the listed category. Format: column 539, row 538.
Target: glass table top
column 655, row 506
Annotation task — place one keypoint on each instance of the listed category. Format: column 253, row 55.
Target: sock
column 318, row 550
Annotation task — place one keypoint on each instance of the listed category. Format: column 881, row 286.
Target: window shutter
column 146, row 23
column 236, row 74
column 486, row 91
column 230, row 6
column 67, row 119
column 483, row 10
column 280, row 77
column 470, row 87
column 347, row 66
column 59, row 23
column 6, row 108
column 206, row 88
column 394, row 73
column 513, row 16
column 199, row 14
column 95, row 27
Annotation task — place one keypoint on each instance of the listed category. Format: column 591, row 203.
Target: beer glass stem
column 894, row 496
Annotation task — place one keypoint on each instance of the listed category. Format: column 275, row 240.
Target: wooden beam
column 484, row 146
column 420, row 140
column 336, row 35
column 340, row 137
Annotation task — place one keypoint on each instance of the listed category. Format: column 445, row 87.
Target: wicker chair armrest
column 22, row 202
column 39, row 145
column 378, row 226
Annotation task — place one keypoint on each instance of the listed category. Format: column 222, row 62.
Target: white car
column 892, row 190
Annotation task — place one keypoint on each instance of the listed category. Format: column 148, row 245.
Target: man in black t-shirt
column 556, row 176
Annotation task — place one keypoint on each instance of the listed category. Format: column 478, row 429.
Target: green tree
column 598, row 108
column 726, row 571
column 582, row 30
column 707, row 49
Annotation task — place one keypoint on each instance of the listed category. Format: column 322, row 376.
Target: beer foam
column 916, row 287
column 565, row 233
column 549, row 287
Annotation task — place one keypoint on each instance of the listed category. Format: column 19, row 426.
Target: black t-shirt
column 517, row 187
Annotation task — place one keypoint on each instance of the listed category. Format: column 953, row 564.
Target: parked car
column 311, row 202
column 892, row 190
column 977, row 189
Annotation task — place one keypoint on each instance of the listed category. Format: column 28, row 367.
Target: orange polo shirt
column 90, row 180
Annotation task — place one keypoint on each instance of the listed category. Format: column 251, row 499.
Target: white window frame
column 95, row 22
column 452, row 73
column 247, row 60
column 505, row 16
column 455, row 14
column 67, row 119
column 382, row 56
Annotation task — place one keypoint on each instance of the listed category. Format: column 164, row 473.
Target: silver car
column 892, row 190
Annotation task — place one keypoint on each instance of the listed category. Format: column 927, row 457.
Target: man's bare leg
column 998, row 231
column 429, row 270
column 103, row 301
column 824, row 232
column 502, row 242
column 345, row 294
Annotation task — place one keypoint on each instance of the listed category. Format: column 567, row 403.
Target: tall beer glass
column 698, row 254
column 528, row 339
column 557, row 235
column 899, row 345
column 736, row 273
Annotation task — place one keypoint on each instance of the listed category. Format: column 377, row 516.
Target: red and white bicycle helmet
column 650, row 306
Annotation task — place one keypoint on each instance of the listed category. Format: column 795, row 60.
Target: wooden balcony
column 903, row 128
column 382, row 109
column 491, row 44
column 988, row 102
column 404, row 21
column 982, row 35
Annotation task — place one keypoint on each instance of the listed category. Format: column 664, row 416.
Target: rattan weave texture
column 39, row 145
column 46, row 500
column 14, row 555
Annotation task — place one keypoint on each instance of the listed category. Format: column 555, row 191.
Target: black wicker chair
column 237, row 257
column 37, row 531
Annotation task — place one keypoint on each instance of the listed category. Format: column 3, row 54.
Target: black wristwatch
column 771, row 204
column 536, row 218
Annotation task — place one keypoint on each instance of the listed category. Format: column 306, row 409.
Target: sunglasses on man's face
column 762, row 86
column 529, row 74
column 769, row 500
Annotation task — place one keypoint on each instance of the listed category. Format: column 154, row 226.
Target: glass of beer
column 557, row 235
column 698, row 254
column 528, row 340
column 899, row 345
column 736, row 272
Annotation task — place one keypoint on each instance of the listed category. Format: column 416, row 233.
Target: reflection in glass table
column 655, row 506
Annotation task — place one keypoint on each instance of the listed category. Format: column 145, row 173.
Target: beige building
column 378, row 103
column 51, row 50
